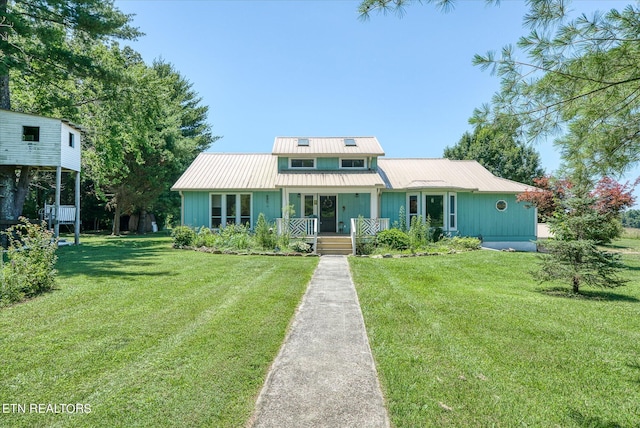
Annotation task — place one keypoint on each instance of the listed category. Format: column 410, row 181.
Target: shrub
column 206, row 238
column 183, row 236
column 393, row 238
column 365, row 248
column 466, row 243
column 265, row 236
column 436, row 234
column 30, row 269
column 239, row 241
column 419, row 232
column 300, row 247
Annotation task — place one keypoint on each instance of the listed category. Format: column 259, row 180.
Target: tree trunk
column 7, row 192
column 5, row 99
column 22, row 191
column 115, row 231
column 576, row 284
column 142, row 223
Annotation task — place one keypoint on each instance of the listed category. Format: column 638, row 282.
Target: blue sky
column 313, row 68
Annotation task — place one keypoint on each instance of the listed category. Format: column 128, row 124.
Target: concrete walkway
column 324, row 375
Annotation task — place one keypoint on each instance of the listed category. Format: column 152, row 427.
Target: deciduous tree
column 50, row 41
column 496, row 148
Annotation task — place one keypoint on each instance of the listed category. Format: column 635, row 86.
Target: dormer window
column 30, row 133
column 302, row 163
column 303, row 142
column 350, row 142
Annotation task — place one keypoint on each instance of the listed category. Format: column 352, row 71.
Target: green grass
column 471, row 340
column 148, row 335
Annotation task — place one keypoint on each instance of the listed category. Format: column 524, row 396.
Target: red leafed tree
column 610, row 197
column 550, row 191
column 613, row 197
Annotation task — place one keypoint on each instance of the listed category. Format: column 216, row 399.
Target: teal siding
column 477, row 215
column 327, row 164
column 197, row 205
column 350, row 206
column 283, row 164
column 267, row 203
column 390, row 203
column 196, row 209
column 374, row 164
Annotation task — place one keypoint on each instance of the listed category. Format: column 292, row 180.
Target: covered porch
column 332, row 208
column 307, row 229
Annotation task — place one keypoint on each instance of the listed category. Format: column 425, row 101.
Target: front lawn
column 471, row 340
column 148, row 336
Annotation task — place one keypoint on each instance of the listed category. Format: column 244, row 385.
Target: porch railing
column 369, row 227
column 299, row 228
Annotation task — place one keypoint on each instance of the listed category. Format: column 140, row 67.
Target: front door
column 328, row 214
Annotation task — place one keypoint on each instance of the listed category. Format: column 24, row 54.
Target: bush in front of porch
column 240, row 238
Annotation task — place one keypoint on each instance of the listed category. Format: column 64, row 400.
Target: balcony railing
column 366, row 228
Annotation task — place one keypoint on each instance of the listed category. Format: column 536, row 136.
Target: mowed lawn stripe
column 149, row 335
column 470, row 340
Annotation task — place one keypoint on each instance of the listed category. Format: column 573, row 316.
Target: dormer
column 343, row 154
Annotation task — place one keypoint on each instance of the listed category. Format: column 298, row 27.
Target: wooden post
column 56, row 224
column 76, row 226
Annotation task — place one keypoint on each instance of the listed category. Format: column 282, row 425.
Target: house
column 328, row 182
column 44, row 143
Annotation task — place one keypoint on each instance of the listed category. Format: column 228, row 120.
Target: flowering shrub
column 31, row 258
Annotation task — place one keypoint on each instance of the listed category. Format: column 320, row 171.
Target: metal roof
column 329, row 179
column 327, row 146
column 211, row 171
column 415, row 173
column 233, row 171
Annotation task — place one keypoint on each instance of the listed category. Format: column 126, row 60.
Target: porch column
column 76, row 226
column 285, row 201
column 56, row 210
column 374, row 203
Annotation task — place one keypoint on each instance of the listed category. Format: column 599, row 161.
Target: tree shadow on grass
column 594, row 295
column 591, row 421
column 118, row 256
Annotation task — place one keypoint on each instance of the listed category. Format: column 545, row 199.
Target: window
column 350, row 142
column 352, row 163
column 501, row 205
column 72, row 142
column 303, row 163
column 245, row 209
column 216, row 211
column 230, row 209
column 413, row 208
column 308, row 205
column 452, row 211
column 30, row 133
column 435, row 210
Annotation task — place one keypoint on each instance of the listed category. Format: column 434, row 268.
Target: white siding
column 47, row 152
column 70, row 156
